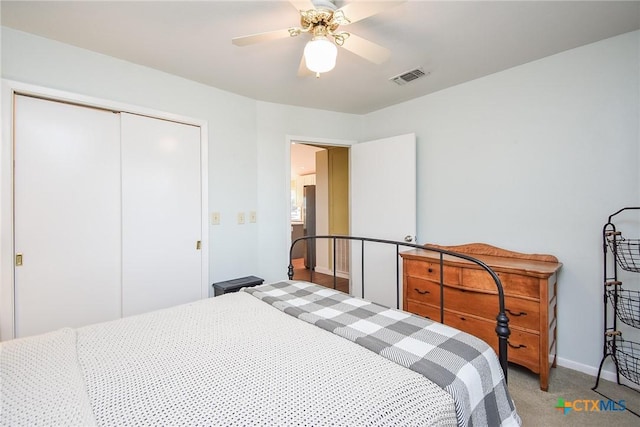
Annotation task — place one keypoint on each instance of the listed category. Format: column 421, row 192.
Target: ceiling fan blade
column 302, row 4
column 303, row 71
column 261, row 37
column 356, row 11
column 368, row 50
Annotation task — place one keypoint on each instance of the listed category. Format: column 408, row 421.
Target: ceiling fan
column 323, row 19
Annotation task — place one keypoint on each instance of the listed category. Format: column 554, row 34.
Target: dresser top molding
column 539, row 265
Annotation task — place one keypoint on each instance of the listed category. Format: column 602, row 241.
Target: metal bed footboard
column 502, row 321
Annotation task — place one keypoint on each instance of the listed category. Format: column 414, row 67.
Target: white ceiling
column 455, row 41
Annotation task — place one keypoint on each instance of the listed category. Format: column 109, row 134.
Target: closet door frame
column 9, row 90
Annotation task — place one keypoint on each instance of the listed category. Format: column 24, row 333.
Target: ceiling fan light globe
column 320, row 55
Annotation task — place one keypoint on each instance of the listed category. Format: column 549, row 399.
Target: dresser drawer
column 431, row 271
column 524, row 347
column 521, row 312
column 422, row 290
column 425, row 310
column 513, row 284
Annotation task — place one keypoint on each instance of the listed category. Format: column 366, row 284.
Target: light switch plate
column 215, row 218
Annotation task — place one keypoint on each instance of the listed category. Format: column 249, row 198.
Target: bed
column 284, row 353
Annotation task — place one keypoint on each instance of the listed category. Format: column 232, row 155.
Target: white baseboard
column 586, row 369
column 324, row 270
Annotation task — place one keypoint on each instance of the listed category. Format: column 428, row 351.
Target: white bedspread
column 229, row 360
column 41, row 382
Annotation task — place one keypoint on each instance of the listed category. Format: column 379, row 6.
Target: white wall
column 533, row 159
column 231, row 118
column 236, row 142
column 275, row 121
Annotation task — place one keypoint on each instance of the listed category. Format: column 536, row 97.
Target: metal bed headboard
column 502, row 321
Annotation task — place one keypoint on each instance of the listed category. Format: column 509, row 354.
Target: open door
column 383, row 206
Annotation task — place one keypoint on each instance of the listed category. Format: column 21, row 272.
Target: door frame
column 9, row 90
column 289, row 139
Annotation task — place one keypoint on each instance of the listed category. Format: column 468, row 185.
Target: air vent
column 408, row 76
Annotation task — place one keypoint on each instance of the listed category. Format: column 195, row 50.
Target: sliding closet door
column 161, row 213
column 67, row 215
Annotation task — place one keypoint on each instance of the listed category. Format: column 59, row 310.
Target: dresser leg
column 544, row 382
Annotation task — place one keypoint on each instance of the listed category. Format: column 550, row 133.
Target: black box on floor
column 234, row 285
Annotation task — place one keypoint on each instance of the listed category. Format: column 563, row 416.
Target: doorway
column 381, row 201
column 320, row 206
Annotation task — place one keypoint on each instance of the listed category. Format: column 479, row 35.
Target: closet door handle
column 522, row 313
column 516, row 346
column 421, row 292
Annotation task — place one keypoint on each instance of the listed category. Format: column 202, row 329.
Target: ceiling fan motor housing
column 318, row 21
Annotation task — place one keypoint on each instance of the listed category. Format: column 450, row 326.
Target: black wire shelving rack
column 621, row 306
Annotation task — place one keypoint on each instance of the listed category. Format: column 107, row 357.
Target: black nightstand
column 234, row 285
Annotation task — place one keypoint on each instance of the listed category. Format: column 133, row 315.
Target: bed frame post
column 502, row 326
column 502, row 329
column 290, row 269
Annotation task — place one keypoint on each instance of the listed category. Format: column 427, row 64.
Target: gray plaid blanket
column 463, row 365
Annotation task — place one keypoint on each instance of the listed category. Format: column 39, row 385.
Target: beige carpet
column 538, row 408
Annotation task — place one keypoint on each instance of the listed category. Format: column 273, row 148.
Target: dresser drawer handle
column 522, row 313
column 430, row 270
column 421, row 292
column 516, row 346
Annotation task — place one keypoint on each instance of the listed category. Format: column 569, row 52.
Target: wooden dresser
column 471, row 304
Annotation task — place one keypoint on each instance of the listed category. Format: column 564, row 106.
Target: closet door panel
column 161, row 219
column 67, row 215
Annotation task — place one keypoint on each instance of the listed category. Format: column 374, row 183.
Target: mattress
column 229, row 360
